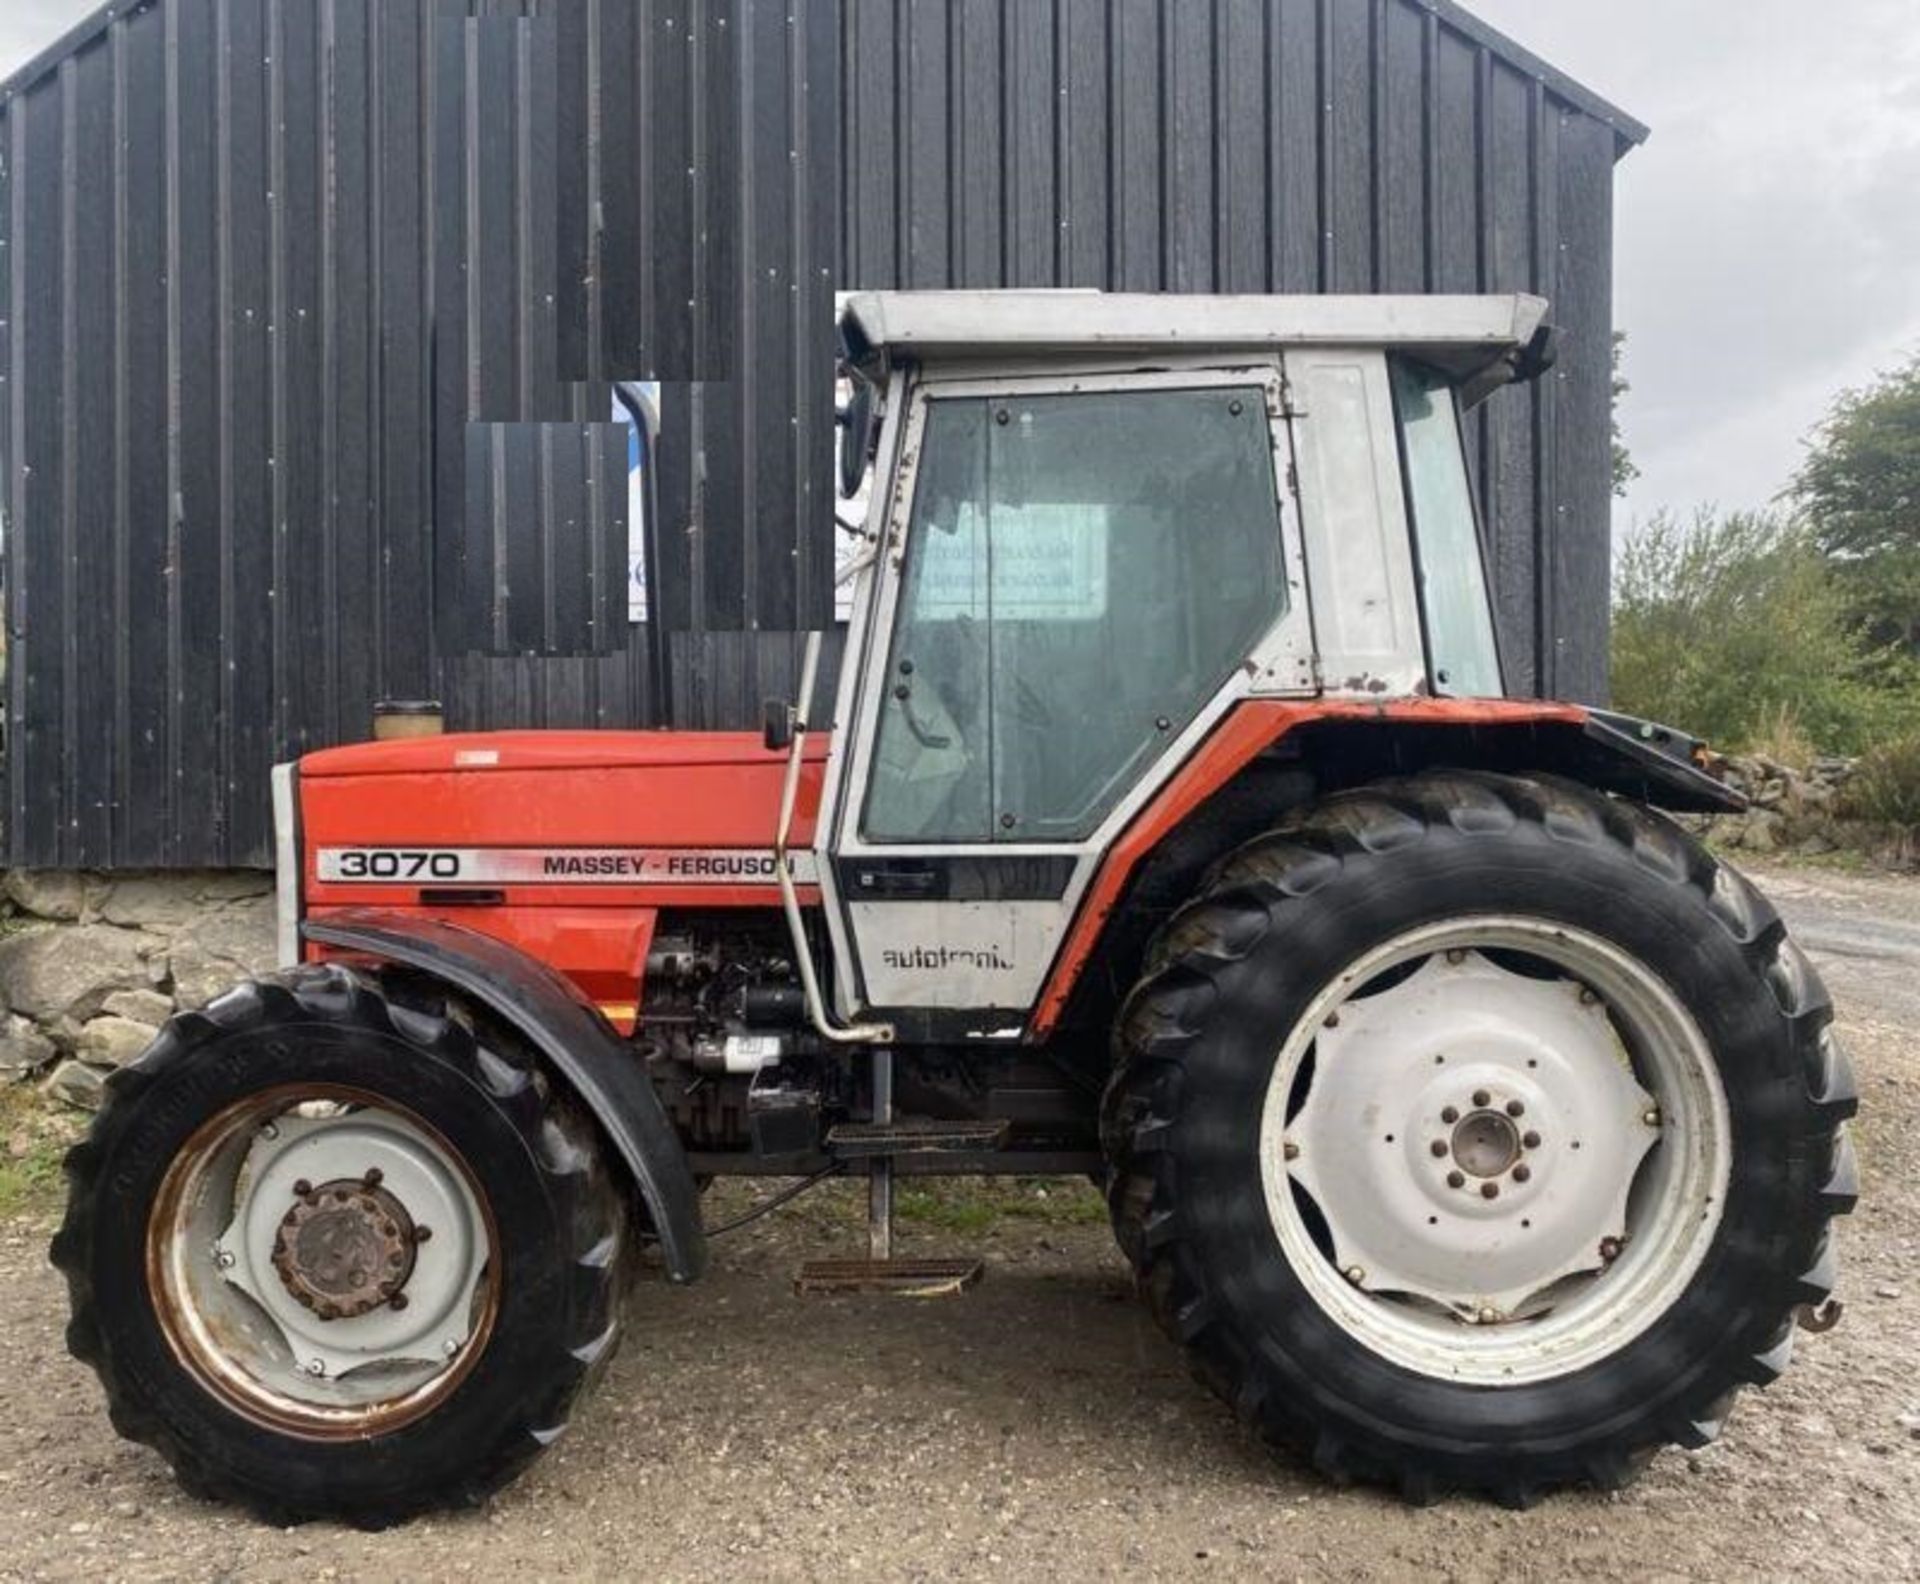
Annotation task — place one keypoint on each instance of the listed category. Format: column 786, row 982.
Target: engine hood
column 548, row 750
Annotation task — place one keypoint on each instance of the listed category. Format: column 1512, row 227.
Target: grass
column 33, row 1139
column 1842, row 860
column 972, row 1207
column 1779, row 736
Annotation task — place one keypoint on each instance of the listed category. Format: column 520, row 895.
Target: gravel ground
column 1039, row 1425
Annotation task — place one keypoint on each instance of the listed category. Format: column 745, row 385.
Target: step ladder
column 879, row 1143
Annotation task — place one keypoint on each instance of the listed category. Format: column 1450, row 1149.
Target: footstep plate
column 906, row 1278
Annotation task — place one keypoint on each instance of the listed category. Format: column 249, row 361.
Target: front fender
column 546, row 1008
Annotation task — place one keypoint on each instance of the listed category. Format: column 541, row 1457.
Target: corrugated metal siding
column 264, row 261
column 495, row 352
column 647, row 173
column 272, row 260
column 562, row 591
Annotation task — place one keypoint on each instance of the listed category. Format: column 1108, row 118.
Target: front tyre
column 335, row 1256
column 1476, row 1132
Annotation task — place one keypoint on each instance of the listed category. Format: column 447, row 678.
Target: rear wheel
column 1478, row 1132
column 338, row 1257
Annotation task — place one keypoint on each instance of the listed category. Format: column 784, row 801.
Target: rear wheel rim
column 1495, row 1150
column 323, row 1261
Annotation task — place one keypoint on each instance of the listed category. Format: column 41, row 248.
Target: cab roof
column 1480, row 340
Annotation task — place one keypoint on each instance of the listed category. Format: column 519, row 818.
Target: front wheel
column 335, row 1256
column 1482, row 1133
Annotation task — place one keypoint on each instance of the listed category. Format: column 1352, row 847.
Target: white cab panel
column 1366, row 609
column 957, row 956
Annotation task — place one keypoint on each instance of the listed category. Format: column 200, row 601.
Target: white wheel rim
column 380, row 1197
column 1586, row 1150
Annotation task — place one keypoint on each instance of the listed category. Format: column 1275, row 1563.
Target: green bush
column 1731, row 625
column 1885, row 789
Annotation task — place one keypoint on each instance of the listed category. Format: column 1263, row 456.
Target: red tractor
column 1467, row 1123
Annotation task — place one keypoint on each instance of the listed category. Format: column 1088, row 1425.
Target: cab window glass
column 1084, row 572
column 1453, row 578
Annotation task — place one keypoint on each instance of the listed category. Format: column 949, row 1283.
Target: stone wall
column 92, row 965
column 1794, row 811
column 1806, row 814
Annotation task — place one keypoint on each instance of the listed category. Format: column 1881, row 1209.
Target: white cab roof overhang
column 1481, row 342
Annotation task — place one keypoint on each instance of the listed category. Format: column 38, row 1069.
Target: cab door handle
column 895, row 882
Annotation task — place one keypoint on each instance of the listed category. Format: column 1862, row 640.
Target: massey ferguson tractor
column 1466, row 1123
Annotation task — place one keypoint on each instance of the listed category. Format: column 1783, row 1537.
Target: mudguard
column 1613, row 753
column 563, row 1026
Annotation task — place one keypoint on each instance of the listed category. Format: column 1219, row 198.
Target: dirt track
column 1039, row 1426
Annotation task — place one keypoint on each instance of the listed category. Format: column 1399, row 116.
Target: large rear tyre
column 337, row 1257
column 1476, row 1132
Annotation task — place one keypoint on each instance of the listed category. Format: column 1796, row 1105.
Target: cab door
column 1077, row 574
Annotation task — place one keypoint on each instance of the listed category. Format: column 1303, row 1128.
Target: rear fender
column 1346, row 742
column 549, row 1011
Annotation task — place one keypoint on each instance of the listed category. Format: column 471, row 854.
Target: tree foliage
column 1730, row 625
column 1624, row 470
column 1860, row 491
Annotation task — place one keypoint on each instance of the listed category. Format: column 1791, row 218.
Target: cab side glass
column 1463, row 653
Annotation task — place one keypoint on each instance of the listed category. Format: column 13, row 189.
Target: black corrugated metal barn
column 310, row 306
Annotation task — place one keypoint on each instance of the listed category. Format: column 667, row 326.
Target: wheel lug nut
column 1531, row 1140
column 1456, row 1179
column 1489, row 1190
column 422, row 1233
column 302, row 1188
column 1481, row 1097
column 1451, row 1114
column 1515, row 1108
column 374, row 1177
column 1522, row 1172
column 1439, row 1147
column 397, row 1301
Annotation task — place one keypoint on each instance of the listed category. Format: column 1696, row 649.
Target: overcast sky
column 1769, row 235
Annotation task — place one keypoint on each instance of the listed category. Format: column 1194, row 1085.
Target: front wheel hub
column 326, row 1261
column 345, row 1248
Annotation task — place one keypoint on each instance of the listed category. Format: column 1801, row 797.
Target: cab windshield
column 1084, row 572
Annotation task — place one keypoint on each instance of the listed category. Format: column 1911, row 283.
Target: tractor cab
column 1098, row 524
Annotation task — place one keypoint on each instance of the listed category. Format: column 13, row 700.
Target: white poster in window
column 1049, row 563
